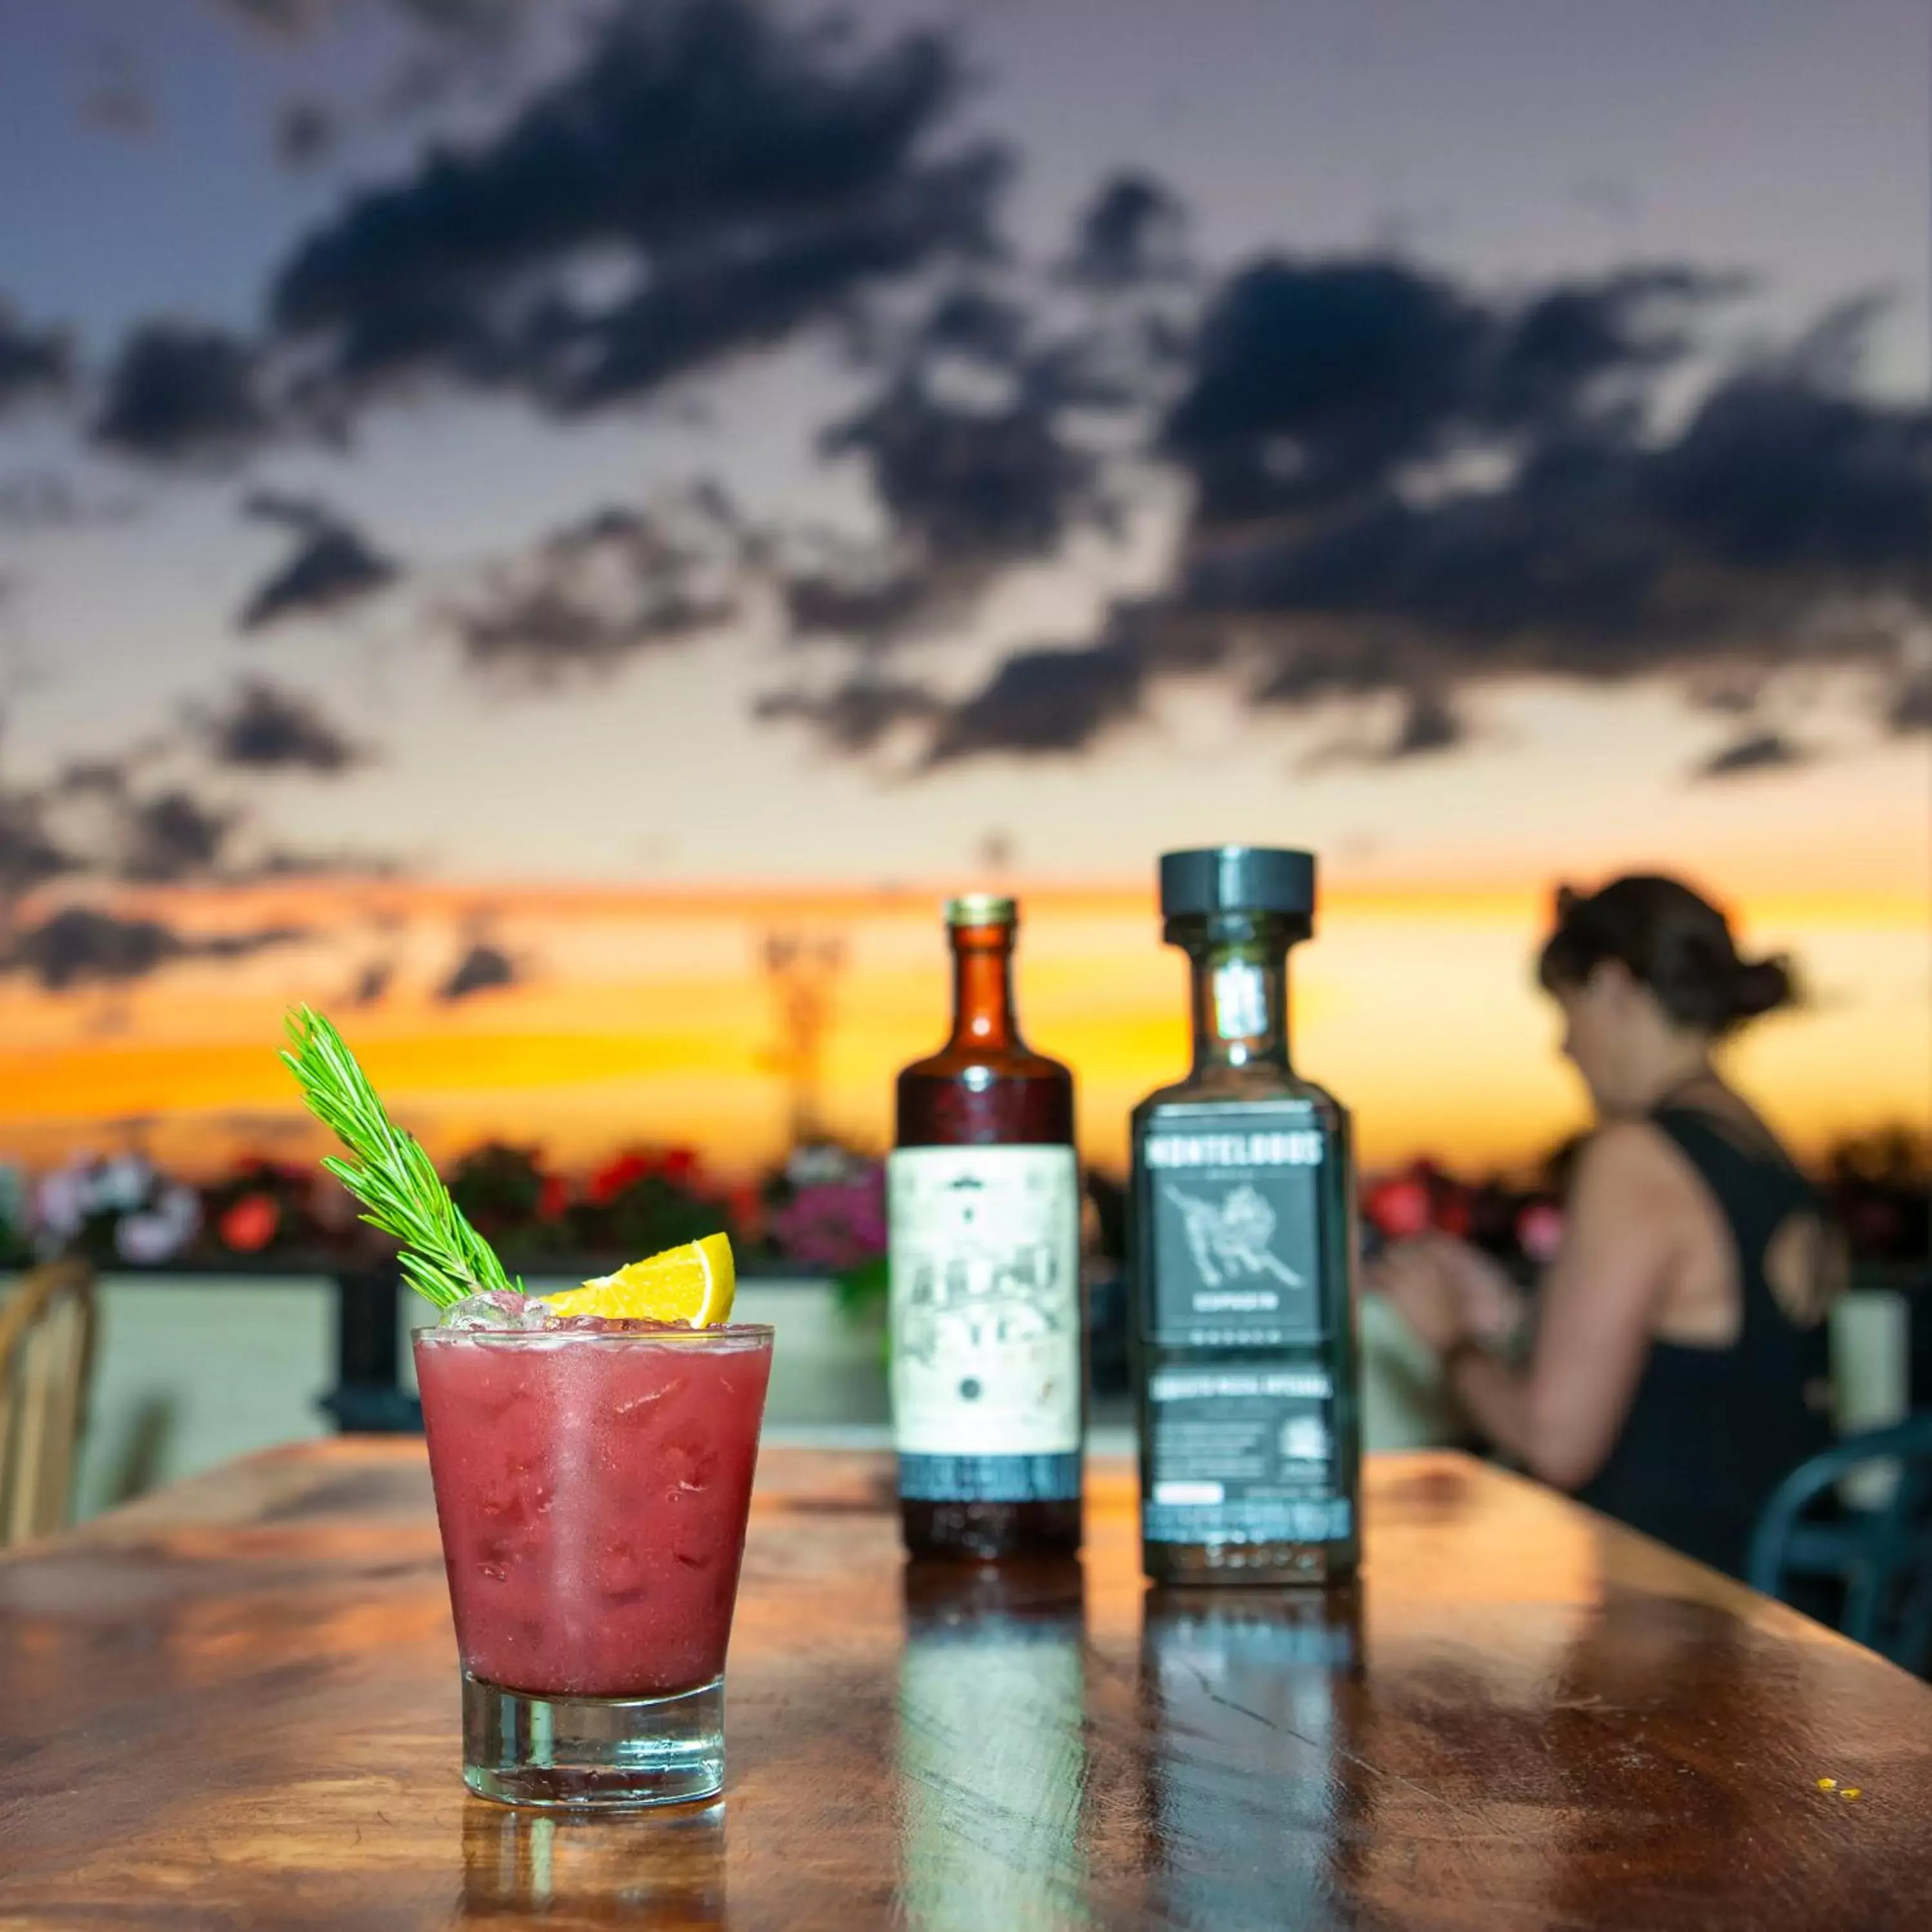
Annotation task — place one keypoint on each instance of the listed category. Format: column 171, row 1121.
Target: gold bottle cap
column 982, row 909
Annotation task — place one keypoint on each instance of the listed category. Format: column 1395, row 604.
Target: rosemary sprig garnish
column 444, row 1258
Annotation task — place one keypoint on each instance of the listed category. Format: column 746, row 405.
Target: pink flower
column 834, row 1225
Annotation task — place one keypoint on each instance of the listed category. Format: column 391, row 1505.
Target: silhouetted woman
column 1678, row 1368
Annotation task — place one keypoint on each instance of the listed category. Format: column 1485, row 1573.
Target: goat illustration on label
column 1230, row 1238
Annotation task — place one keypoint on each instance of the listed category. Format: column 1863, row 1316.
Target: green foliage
column 443, row 1257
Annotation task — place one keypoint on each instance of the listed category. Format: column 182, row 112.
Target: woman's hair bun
column 1672, row 939
column 1762, row 986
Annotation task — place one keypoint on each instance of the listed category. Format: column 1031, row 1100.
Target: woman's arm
column 1596, row 1313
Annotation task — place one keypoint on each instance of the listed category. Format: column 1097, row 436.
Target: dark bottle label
column 1239, row 1408
column 1242, row 1454
column 1235, row 1212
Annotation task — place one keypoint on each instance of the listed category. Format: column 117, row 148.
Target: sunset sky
column 762, row 478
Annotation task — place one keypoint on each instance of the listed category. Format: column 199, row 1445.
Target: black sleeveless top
column 1712, row 1431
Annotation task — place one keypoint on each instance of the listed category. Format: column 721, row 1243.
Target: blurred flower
column 1539, row 1232
column 1419, row 1199
column 610, row 1180
column 250, row 1224
column 120, row 1184
column 159, row 1233
column 834, row 1225
column 1399, row 1207
column 553, row 1198
column 63, row 1199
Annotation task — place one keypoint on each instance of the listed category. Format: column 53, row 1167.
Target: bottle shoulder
column 1241, row 1088
column 951, row 1064
column 969, row 1096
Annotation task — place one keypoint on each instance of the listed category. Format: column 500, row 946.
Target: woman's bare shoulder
column 1629, row 1162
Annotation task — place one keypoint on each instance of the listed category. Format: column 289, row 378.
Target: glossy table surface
column 235, row 1704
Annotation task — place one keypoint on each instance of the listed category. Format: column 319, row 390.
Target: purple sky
column 1500, row 148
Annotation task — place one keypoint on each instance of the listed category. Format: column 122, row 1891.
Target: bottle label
column 1243, row 1455
column 985, row 1257
column 1234, row 1211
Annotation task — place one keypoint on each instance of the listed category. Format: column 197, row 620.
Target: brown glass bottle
column 988, row 1357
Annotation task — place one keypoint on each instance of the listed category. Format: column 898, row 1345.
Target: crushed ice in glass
column 504, row 1311
column 499, row 1308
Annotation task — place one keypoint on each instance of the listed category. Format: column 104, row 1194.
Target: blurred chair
column 1881, row 1555
column 47, row 1359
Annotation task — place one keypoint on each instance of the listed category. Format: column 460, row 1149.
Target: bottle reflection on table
column 1253, row 1795
column 992, row 1752
column 616, row 1869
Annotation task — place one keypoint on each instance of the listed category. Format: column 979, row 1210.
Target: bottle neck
column 1240, row 972
column 982, row 987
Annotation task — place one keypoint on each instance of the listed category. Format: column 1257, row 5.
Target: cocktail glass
column 592, row 1486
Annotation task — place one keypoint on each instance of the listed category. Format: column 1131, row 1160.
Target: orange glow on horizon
column 643, row 1016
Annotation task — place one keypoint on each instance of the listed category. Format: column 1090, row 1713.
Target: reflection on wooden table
column 234, row 1704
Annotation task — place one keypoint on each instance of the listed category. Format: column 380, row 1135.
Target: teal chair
column 1881, row 1557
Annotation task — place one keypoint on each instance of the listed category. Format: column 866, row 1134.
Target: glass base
column 592, row 1753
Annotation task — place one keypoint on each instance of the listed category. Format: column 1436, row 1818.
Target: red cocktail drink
column 592, row 1484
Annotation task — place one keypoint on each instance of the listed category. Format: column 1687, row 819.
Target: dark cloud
column 484, row 968
column 980, row 449
column 1613, row 556
column 966, row 486
column 1044, row 700
column 595, row 593
column 80, row 946
column 1762, row 751
column 264, row 727
column 976, row 324
column 822, row 603
column 856, row 716
column 1428, row 725
column 278, row 861
column 1404, row 488
column 1313, row 380
column 967, row 489
column 107, row 819
column 333, row 564
column 1424, row 726
column 1774, row 473
column 1133, row 232
column 1581, row 348
column 182, row 392
column 106, row 827
column 173, row 836
column 306, row 132
column 1911, row 707
column 372, row 983
column 33, row 362
column 1310, row 380
column 30, row 853
column 737, row 177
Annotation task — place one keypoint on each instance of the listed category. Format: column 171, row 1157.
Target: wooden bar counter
column 235, row 1704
